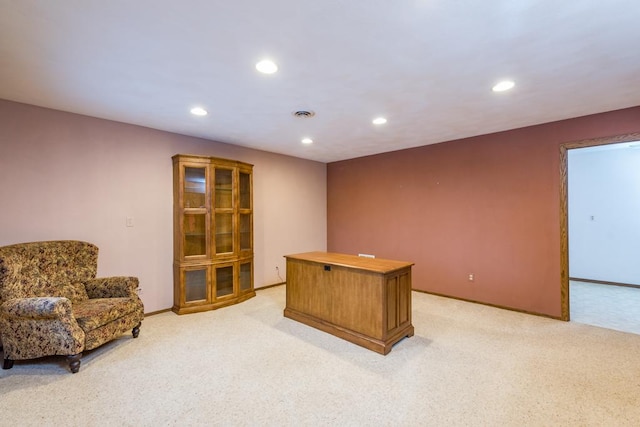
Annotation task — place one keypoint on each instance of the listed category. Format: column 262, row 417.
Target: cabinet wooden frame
column 209, row 206
column 181, row 293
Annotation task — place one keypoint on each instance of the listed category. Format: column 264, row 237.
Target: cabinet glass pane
column 195, row 285
column 224, row 186
column 224, row 233
column 245, row 232
column 224, row 281
column 195, row 238
column 245, row 276
column 194, row 187
column 245, row 191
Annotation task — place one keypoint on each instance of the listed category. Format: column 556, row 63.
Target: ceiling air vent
column 304, row 114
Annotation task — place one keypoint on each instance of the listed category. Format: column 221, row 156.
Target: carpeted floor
column 247, row 365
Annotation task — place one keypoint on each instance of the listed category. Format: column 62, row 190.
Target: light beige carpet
column 247, row 365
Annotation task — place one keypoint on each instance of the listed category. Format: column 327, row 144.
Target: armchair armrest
column 36, row 308
column 112, row 287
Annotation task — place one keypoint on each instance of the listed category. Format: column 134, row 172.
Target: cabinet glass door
column 224, row 233
column 194, row 187
column 195, row 285
column 224, row 281
column 245, row 232
column 245, row 276
column 223, row 188
column 245, row 190
column 195, row 236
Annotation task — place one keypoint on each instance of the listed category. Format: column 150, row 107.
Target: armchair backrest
column 50, row 268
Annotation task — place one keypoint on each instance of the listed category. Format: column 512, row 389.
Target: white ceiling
column 426, row 65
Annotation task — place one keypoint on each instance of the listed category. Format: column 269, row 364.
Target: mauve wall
column 66, row 176
column 487, row 206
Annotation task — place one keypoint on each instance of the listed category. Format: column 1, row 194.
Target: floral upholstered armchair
column 51, row 302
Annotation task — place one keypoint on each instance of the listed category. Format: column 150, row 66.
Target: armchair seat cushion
column 94, row 313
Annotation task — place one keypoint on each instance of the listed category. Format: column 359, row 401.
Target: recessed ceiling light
column 266, row 66
column 379, row 121
column 307, row 141
column 503, row 85
column 198, row 111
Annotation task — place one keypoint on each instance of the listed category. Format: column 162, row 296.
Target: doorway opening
column 590, row 293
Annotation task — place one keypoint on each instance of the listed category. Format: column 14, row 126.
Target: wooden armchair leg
column 8, row 364
column 136, row 330
column 74, row 362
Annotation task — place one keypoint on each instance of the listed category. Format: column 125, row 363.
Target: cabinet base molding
column 382, row 347
column 212, row 306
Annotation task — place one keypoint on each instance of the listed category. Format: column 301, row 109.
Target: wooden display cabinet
column 213, row 232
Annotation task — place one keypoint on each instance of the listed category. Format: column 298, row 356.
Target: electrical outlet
column 471, row 277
